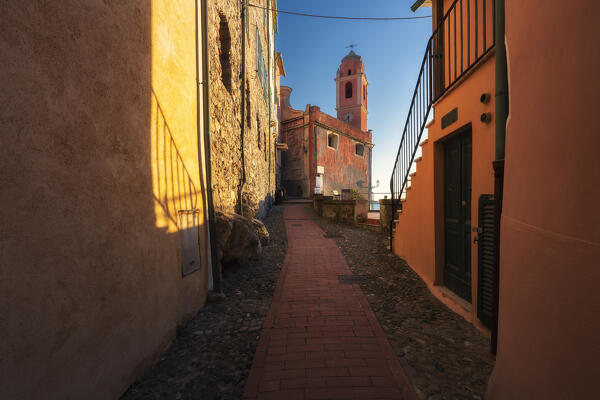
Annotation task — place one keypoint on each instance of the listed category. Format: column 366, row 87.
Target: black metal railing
column 462, row 38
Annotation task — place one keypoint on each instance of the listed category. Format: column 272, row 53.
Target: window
column 349, row 72
column 359, row 149
column 332, row 140
column 365, row 92
column 224, row 40
column 348, row 90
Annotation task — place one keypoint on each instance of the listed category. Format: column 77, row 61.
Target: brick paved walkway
column 321, row 339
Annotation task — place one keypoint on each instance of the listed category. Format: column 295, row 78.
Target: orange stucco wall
column 100, row 152
column 549, row 319
column 419, row 233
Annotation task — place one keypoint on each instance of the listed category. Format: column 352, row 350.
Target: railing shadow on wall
column 173, row 187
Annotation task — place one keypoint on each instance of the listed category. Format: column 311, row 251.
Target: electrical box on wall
column 320, row 169
column 188, row 234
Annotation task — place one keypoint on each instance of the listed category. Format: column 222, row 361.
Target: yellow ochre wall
column 99, row 139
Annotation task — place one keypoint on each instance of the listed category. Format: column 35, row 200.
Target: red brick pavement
column 320, row 339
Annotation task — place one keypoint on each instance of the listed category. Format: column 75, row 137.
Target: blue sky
column 392, row 51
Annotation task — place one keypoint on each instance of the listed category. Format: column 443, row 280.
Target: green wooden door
column 457, row 214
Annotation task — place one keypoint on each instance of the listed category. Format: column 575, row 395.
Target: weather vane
column 351, row 46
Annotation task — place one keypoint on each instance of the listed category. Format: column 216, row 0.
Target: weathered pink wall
column 90, row 281
column 549, row 320
column 343, row 168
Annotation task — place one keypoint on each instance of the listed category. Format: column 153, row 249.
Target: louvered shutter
column 485, row 287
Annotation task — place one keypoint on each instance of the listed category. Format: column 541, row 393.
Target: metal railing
column 462, row 38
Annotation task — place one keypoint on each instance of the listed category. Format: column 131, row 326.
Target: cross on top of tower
column 351, row 46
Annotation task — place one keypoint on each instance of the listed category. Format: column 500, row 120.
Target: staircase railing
column 464, row 36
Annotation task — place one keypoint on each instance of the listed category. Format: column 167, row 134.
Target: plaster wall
column 295, row 174
column 419, row 236
column 101, row 152
column 550, row 230
column 343, row 168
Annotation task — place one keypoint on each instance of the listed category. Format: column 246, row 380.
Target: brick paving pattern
column 320, row 339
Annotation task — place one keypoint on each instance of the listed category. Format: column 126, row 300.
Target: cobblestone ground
column 212, row 355
column 444, row 356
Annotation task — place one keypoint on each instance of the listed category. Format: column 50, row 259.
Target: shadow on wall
column 173, row 188
column 92, row 288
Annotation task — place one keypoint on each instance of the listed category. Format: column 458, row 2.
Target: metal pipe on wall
column 243, row 107
column 501, row 111
column 203, row 134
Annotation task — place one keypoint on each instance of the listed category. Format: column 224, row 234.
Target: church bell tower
column 351, row 91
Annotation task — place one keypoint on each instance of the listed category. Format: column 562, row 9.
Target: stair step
column 423, row 142
column 418, row 158
column 412, row 174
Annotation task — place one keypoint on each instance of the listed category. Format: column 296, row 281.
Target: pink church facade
column 326, row 154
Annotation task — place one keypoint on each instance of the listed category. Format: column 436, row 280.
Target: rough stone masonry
column 225, row 63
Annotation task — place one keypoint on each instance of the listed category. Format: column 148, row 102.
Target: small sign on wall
column 450, row 118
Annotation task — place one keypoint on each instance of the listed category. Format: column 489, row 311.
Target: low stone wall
column 361, row 210
column 385, row 214
column 346, row 211
column 339, row 210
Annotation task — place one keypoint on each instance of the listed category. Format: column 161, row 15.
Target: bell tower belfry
column 351, row 91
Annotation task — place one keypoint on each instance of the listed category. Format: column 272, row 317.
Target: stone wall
column 346, row 211
column 225, row 58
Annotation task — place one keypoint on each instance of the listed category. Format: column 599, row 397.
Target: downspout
column 243, row 107
column 270, row 15
column 203, row 134
column 369, row 185
column 501, row 111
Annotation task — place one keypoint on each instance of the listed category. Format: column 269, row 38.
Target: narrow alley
column 346, row 319
column 321, row 339
column 275, row 199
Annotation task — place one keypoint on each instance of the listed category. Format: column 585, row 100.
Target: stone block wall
column 260, row 110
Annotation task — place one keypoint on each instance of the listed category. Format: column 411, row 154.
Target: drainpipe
column 370, row 184
column 501, row 110
column 269, row 16
column 243, row 107
column 203, row 132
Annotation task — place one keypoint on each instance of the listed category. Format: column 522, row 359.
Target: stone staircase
column 409, row 185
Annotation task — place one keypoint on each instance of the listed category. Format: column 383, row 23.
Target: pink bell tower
column 351, row 92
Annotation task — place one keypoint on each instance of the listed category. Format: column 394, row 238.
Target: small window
column 349, row 72
column 332, row 140
column 359, row 149
column 365, row 92
column 224, row 40
column 348, row 90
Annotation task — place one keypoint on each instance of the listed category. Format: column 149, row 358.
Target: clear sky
column 392, row 51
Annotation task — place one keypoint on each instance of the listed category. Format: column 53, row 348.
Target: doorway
column 457, row 213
